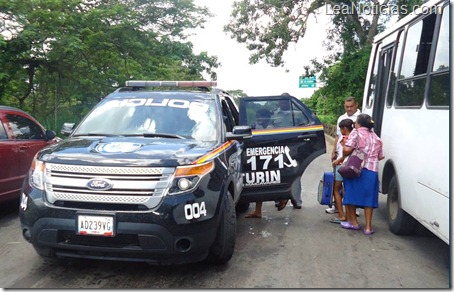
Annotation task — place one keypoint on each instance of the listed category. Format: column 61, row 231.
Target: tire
column 400, row 222
column 242, row 207
column 224, row 244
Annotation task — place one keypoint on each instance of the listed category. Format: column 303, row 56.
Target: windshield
column 172, row 117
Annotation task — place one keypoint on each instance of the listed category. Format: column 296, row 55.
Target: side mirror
column 67, row 128
column 50, row 135
column 240, row 133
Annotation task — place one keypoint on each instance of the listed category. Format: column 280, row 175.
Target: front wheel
column 242, row 207
column 400, row 222
column 224, row 244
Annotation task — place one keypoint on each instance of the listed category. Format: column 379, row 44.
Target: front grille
column 100, row 206
column 129, row 185
column 119, row 241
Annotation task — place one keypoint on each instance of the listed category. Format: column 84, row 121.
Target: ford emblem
column 99, row 184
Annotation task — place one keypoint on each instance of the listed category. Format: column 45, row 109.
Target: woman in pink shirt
column 362, row 191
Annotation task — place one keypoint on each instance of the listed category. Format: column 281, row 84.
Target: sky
column 235, row 72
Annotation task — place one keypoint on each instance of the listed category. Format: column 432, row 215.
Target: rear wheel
column 400, row 222
column 224, row 244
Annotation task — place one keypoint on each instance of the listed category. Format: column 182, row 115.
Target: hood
column 126, row 151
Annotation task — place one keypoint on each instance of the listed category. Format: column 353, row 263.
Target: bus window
column 393, row 75
column 412, row 79
column 442, row 53
column 439, row 79
column 373, row 78
column 385, row 65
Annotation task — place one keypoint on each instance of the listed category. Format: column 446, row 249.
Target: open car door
column 287, row 136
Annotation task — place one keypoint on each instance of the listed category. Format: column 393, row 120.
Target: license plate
column 95, row 225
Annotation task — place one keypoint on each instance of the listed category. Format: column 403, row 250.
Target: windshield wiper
column 96, row 134
column 153, row 135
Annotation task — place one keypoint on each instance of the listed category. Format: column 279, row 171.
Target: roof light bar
column 147, row 83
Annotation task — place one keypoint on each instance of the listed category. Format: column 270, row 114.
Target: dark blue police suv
column 153, row 173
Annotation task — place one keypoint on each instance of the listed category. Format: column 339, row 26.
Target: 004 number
column 195, row 210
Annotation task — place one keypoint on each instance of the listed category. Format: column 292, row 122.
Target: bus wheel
column 400, row 222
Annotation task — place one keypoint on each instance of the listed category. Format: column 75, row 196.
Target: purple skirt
column 363, row 190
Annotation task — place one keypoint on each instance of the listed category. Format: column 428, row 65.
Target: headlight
column 187, row 177
column 36, row 175
column 184, row 184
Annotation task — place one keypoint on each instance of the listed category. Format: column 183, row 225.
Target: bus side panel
column 421, row 164
column 434, row 213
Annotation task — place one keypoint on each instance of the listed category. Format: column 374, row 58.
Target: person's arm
column 338, row 161
column 380, row 154
column 350, row 144
column 338, row 133
column 347, row 151
column 333, row 153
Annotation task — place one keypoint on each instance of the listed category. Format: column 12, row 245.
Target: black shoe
column 295, row 205
column 282, row 204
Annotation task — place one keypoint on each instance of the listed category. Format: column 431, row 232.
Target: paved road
column 286, row 249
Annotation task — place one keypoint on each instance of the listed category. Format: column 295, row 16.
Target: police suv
column 153, row 173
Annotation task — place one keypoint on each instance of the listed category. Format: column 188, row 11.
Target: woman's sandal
column 336, row 220
column 348, row 225
column 282, row 204
column 368, row 232
column 252, row 215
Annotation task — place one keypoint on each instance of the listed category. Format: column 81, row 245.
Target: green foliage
column 238, row 93
column 408, row 4
column 268, row 27
column 61, row 57
column 343, row 79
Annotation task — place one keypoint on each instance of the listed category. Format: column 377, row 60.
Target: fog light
column 184, row 184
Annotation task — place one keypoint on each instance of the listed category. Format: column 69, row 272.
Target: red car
column 21, row 136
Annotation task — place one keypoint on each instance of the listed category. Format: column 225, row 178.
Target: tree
column 268, row 27
column 343, row 79
column 68, row 54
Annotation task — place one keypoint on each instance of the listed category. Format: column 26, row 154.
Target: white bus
column 407, row 92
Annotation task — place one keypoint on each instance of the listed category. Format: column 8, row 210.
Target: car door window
column 284, row 113
column 227, row 116
column 23, row 128
column 2, row 132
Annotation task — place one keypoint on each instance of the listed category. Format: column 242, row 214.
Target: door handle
column 307, row 136
column 21, row 148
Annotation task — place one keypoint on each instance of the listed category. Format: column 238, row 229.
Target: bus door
column 383, row 61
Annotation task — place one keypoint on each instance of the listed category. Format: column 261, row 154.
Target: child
column 346, row 126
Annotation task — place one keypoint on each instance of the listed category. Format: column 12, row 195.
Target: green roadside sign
column 307, row 82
